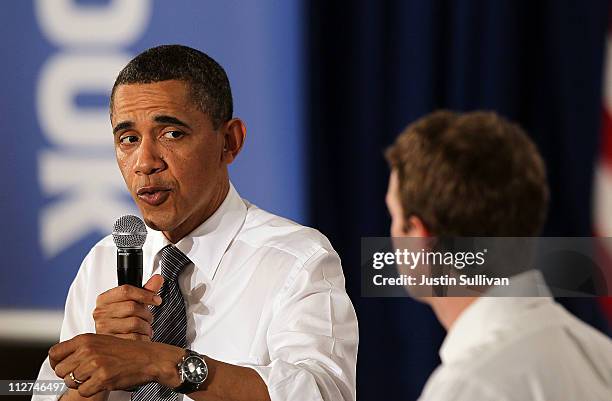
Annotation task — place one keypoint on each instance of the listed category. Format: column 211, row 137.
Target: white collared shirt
column 523, row 349
column 262, row 292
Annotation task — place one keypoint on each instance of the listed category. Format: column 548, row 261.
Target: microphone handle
column 129, row 266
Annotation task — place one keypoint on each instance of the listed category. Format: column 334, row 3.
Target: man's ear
column 234, row 134
column 415, row 227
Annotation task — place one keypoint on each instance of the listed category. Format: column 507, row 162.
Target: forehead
column 164, row 96
column 393, row 186
column 393, row 195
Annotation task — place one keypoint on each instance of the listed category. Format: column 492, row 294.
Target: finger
column 134, row 336
column 79, row 374
column 155, row 283
column 99, row 378
column 71, row 383
column 59, row 351
column 103, row 314
column 128, row 293
column 67, row 365
column 131, row 309
column 89, row 389
column 126, row 325
column 92, row 387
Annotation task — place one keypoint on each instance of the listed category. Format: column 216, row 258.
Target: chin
column 157, row 223
column 151, row 224
column 156, row 219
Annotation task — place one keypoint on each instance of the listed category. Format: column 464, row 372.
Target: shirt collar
column 482, row 321
column 206, row 245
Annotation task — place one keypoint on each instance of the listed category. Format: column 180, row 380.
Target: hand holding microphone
column 122, row 311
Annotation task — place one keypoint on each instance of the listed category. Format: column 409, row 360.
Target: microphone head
column 129, row 232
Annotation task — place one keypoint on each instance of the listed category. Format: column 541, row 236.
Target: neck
column 448, row 309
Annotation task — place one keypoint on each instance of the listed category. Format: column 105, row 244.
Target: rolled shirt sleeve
column 313, row 336
column 75, row 322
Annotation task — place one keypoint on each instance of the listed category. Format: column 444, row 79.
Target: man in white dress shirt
column 267, row 315
column 477, row 174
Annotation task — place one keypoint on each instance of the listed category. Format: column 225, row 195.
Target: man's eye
column 173, row 134
column 128, row 139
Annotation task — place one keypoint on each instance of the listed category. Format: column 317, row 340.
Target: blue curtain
column 375, row 66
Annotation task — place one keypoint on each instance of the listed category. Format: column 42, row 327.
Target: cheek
column 193, row 179
column 397, row 225
column 125, row 167
column 394, row 229
column 197, row 169
column 122, row 164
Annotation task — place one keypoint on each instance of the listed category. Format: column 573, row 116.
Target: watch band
column 187, row 386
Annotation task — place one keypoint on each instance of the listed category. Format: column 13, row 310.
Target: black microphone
column 129, row 234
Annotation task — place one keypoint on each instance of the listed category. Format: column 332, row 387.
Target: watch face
column 194, row 369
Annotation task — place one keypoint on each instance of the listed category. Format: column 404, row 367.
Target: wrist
column 165, row 359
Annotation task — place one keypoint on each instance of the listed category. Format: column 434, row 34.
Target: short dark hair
column 472, row 174
column 210, row 88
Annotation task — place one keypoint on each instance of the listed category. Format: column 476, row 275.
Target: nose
column 149, row 160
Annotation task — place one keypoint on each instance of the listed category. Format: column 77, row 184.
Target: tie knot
column 172, row 262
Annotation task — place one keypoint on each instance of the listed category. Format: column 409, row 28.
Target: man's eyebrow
column 170, row 120
column 122, row 125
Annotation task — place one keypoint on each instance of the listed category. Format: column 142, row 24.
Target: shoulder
column 102, row 248
column 526, row 362
column 99, row 260
column 104, row 244
column 266, row 230
column 451, row 383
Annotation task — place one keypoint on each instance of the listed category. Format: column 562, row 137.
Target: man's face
column 408, row 236
column 169, row 155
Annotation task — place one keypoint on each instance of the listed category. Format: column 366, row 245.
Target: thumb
column 155, row 283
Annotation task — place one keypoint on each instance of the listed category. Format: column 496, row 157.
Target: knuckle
column 104, row 374
column 98, row 313
column 59, row 371
column 134, row 324
column 100, row 326
column 96, row 363
column 103, row 298
column 133, row 336
column 88, row 348
column 86, row 339
column 125, row 290
column 133, row 307
column 85, row 392
column 81, row 339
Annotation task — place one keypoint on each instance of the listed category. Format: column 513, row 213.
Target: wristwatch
column 193, row 371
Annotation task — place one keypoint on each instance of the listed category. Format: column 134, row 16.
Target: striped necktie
column 169, row 319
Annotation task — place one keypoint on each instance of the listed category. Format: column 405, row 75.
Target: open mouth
column 153, row 196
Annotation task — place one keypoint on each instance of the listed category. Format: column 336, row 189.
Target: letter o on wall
column 68, row 24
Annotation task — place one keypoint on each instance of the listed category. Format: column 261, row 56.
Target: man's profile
column 239, row 304
column 479, row 175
